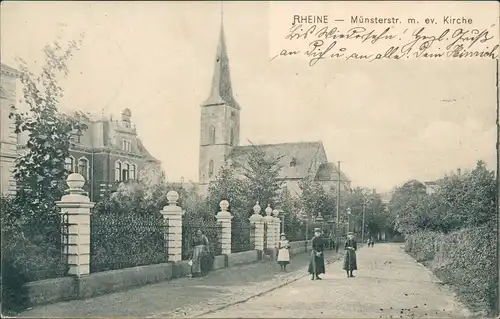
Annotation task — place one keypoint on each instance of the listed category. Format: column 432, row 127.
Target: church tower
column 220, row 118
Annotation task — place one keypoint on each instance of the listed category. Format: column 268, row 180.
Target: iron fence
column 295, row 231
column 123, row 241
column 44, row 253
column 241, row 236
column 210, row 228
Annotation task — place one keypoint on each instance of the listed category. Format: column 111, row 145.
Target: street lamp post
column 331, row 222
column 348, row 219
column 320, row 220
column 363, row 223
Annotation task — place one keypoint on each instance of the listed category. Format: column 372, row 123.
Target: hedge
column 465, row 259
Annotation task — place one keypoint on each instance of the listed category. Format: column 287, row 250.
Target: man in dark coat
column 350, row 263
column 317, row 261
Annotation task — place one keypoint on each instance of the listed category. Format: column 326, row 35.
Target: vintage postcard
column 222, row 159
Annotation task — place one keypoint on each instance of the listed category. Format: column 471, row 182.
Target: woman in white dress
column 283, row 252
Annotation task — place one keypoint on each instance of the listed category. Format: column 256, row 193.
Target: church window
column 231, row 137
column 212, row 135
column 211, row 168
column 118, row 171
column 293, row 162
column 69, row 164
column 83, row 167
column 233, row 113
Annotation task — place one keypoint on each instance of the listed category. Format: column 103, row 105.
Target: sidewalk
column 180, row 296
column 389, row 284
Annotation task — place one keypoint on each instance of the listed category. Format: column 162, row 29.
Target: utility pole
column 363, row 225
column 498, row 191
column 337, row 231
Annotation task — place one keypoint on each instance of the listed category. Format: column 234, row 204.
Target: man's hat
column 350, row 233
column 283, row 234
column 317, row 230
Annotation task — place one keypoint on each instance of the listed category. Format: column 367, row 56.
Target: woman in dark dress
column 317, row 261
column 350, row 263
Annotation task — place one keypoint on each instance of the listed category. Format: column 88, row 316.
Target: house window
column 126, row 145
column 293, row 162
column 83, row 167
column 211, row 168
column 118, row 171
column 125, row 172
column 233, row 113
column 133, row 170
column 212, row 135
column 69, row 164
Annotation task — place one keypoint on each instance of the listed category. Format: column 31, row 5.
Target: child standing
column 283, row 252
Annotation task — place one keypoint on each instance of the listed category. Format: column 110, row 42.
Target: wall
column 69, row 288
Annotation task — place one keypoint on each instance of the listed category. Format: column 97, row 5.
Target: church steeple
column 221, row 91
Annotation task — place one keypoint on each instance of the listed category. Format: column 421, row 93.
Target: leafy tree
column 465, row 200
column 316, row 200
column 40, row 172
column 461, row 200
column 377, row 219
column 290, row 208
column 227, row 186
column 406, row 206
column 262, row 177
column 33, row 252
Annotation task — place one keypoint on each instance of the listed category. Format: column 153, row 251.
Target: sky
column 385, row 122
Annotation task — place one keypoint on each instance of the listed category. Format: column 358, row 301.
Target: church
column 220, row 140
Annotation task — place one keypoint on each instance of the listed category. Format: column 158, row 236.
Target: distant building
column 386, row 197
column 220, row 139
column 107, row 153
column 8, row 139
column 431, row 187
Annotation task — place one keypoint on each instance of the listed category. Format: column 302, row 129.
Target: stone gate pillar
column 75, row 220
column 224, row 218
column 257, row 234
column 277, row 227
column 172, row 213
column 269, row 221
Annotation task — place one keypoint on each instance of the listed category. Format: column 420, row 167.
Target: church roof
column 221, row 91
column 330, row 172
column 301, row 155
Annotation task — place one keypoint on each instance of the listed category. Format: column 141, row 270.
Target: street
column 389, row 284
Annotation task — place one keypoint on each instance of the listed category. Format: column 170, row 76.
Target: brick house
column 8, row 139
column 107, row 153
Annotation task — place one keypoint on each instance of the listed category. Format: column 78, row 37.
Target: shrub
column 465, row 259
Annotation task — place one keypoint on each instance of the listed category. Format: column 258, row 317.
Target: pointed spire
column 221, row 91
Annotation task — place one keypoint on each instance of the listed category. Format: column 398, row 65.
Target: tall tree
column 227, row 186
column 262, row 177
column 316, row 200
column 33, row 253
column 40, row 172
